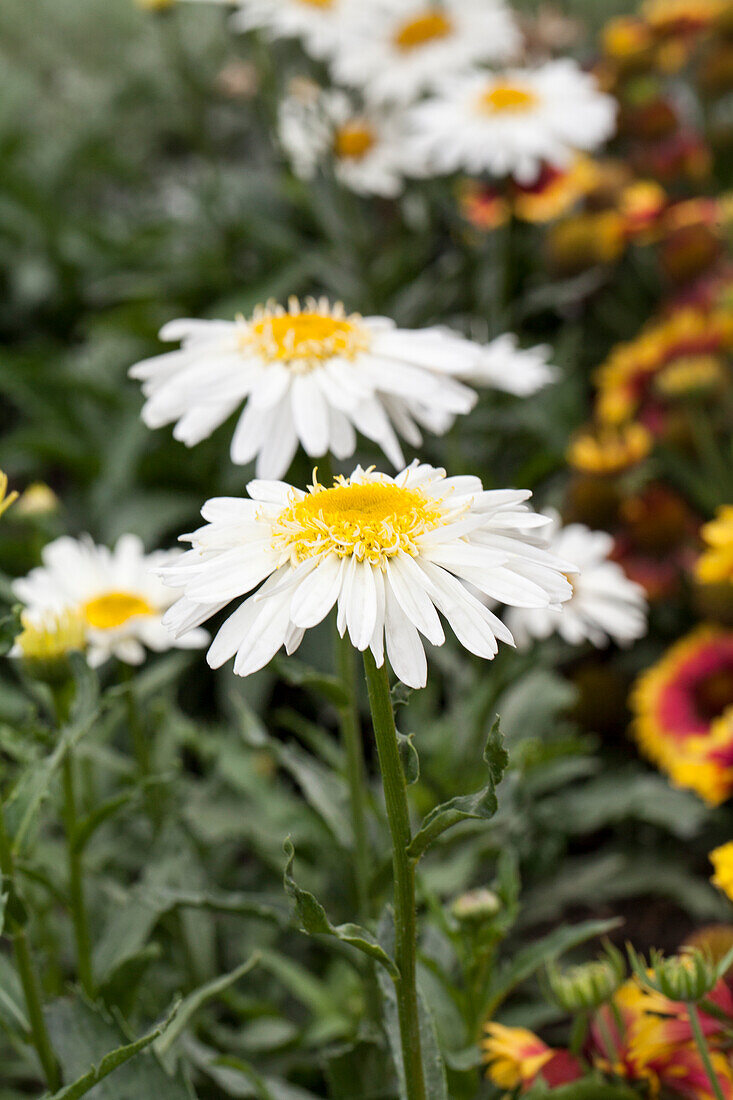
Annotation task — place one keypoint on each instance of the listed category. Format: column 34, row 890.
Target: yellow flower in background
column 626, row 38
column 37, row 500
column 607, row 449
column 722, row 861
column 6, row 498
column 513, row 1055
column 50, row 637
column 556, row 191
column 682, row 16
column 715, row 564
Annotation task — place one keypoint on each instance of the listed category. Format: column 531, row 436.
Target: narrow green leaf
column 87, row 826
column 482, row 804
column 315, row 922
column 408, row 756
column 194, row 1001
column 301, row 675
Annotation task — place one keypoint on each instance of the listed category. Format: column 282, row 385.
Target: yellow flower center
column 508, row 99
column 304, row 338
column 372, row 522
column 353, row 140
column 424, row 28
column 113, row 609
column 318, row 3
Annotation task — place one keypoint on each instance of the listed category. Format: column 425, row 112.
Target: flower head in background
column 722, row 861
column 6, row 498
column 119, row 600
column 605, row 605
column 512, row 123
column 321, row 24
column 365, row 149
column 315, row 375
column 683, row 713
column 555, row 191
column 715, row 564
column 389, row 552
column 515, row 1056
column 602, row 449
column 398, row 49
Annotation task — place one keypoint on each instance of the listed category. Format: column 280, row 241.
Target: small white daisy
column 309, row 374
column 389, row 552
column 323, row 129
column 605, row 605
column 118, row 597
column 503, row 365
column 319, row 23
column 397, row 49
column 511, row 123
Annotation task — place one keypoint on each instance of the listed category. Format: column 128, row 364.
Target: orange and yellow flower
column 556, row 191
column 722, row 861
column 516, row 1057
column 609, row 449
column 715, row 564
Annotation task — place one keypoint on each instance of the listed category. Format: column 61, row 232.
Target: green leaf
column 588, row 1088
column 482, row 804
column 87, row 826
column 315, row 922
column 77, row 1031
column 194, row 1001
column 436, row 1083
column 408, row 756
column 530, row 959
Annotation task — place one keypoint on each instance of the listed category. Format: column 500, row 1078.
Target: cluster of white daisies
column 413, row 93
column 392, row 553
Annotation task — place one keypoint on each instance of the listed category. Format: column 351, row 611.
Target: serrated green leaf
column 315, row 922
column 482, row 804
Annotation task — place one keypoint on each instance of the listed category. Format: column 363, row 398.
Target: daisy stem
column 405, row 915
column 355, row 770
column 76, row 879
column 27, row 972
column 702, row 1047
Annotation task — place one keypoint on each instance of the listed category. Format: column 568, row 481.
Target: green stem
column 702, row 1046
column 76, row 880
column 355, row 773
column 28, row 975
column 405, row 916
column 137, row 733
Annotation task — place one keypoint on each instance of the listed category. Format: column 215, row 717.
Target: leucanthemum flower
column 605, row 605
column 365, row 149
column 397, row 49
column 321, row 24
column 390, row 553
column 511, row 123
column 114, row 592
column 315, row 375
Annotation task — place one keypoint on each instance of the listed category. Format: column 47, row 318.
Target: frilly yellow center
column 303, row 338
column 114, row 609
column 372, row 522
column 353, row 140
column 508, row 99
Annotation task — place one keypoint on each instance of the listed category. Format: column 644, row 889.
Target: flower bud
column 476, row 906
column 687, row 977
column 44, row 645
column 586, row 987
column 6, row 498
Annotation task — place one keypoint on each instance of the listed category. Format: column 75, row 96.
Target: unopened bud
column 588, row 986
column 476, row 906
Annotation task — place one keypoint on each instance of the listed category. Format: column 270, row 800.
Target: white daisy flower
column 512, row 123
column 309, row 374
column 119, row 598
column 320, row 24
column 364, row 149
column 503, row 365
column 397, row 49
column 605, row 605
column 389, row 552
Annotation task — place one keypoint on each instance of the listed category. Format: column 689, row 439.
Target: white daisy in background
column 309, row 374
column 117, row 597
column 397, row 49
column 389, row 552
column 503, row 365
column 324, row 129
column 320, row 24
column 511, row 123
column 605, row 605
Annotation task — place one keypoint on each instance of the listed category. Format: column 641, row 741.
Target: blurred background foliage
column 140, row 183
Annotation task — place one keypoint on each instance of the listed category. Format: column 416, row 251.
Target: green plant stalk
column 28, row 975
column 405, row 915
column 704, row 1050
column 77, row 903
column 355, row 772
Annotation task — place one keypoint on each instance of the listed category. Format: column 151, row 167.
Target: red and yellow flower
column 722, row 861
column 715, row 564
column 515, row 1056
column 556, row 191
column 683, row 709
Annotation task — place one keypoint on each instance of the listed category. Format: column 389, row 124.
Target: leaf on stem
column 482, row 804
column 314, row 920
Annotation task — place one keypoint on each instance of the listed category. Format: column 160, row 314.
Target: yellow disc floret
column 114, row 609
column 353, row 140
column 425, row 28
column 371, row 521
column 305, row 337
column 508, row 99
